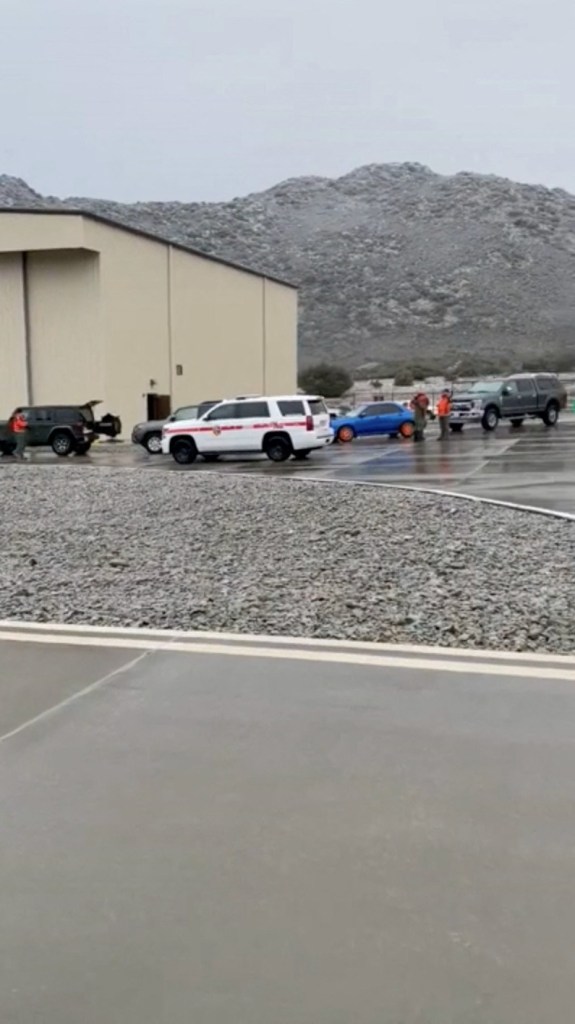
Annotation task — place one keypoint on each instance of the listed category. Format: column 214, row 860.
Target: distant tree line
column 333, row 381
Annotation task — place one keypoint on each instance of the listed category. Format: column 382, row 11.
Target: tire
column 345, row 435
column 490, row 418
column 551, row 415
column 407, row 429
column 456, row 427
column 302, row 454
column 62, row 443
column 517, row 422
column 211, row 457
column 183, row 451
column 83, row 449
column 153, row 444
column 278, row 449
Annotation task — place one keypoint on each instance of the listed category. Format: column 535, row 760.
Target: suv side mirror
column 505, row 390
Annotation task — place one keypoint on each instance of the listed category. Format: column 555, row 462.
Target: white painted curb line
column 372, row 655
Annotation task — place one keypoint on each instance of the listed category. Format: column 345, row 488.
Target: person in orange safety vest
column 19, row 427
column 443, row 414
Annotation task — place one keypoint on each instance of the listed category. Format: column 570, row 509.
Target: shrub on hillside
column 325, row 379
column 404, row 377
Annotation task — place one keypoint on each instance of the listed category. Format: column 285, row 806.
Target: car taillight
column 309, row 423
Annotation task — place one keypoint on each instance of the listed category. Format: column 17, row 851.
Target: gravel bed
column 204, row 551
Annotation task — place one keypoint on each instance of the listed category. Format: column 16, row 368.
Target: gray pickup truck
column 538, row 395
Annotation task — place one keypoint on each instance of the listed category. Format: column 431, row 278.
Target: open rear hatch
column 108, row 425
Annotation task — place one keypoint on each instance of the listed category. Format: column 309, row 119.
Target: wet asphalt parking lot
column 532, row 466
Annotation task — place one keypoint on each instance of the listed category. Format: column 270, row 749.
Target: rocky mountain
column 395, row 263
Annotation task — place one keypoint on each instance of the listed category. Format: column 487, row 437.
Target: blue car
column 390, row 418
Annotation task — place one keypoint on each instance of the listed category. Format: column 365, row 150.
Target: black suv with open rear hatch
column 66, row 429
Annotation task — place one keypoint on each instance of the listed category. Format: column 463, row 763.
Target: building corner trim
column 27, row 328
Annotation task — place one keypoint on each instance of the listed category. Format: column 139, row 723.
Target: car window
column 227, row 411
column 389, row 408
column 206, row 406
column 485, row 387
column 317, row 407
column 187, row 412
column 65, row 415
column 39, row 415
column 252, row 410
column 375, row 409
column 291, row 408
column 525, row 385
column 547, row 382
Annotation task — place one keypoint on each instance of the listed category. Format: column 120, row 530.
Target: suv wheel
column 153, row 444
column 551, row 415
column 490, row 418
column 62, row 443
column 278, row 449
column 183, row 451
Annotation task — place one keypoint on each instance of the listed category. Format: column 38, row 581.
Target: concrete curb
column 369, row 654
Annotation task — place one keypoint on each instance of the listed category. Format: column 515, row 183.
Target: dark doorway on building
column 159, row 406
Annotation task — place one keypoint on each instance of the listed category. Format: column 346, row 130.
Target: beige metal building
column 90, row 309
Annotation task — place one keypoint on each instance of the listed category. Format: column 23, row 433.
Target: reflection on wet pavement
column 532, row 466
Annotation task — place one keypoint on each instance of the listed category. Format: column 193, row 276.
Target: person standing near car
column 443, row 414
column 20, row 431
column 419, row 406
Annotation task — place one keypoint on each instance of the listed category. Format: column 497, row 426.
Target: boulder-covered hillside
column 394, row 262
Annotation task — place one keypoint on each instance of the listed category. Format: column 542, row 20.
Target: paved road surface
column 247, row 833
column 532, row 466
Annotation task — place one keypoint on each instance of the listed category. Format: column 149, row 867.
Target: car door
column 218, row 430
column 40, row 423
column 254, row 419
column 527, row 394
column 368, row 422
column 390, row 417
column 511, row 399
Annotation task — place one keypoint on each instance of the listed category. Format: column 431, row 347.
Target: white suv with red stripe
column 279, row 426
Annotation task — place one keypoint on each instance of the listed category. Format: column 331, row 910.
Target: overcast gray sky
column 192, row 99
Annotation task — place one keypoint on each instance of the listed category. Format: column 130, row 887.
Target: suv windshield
column 482, row 387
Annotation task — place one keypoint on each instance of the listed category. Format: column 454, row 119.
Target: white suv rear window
column 291, row 408
column 317, row 407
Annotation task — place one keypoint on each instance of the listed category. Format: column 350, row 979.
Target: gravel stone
column 203, row 551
